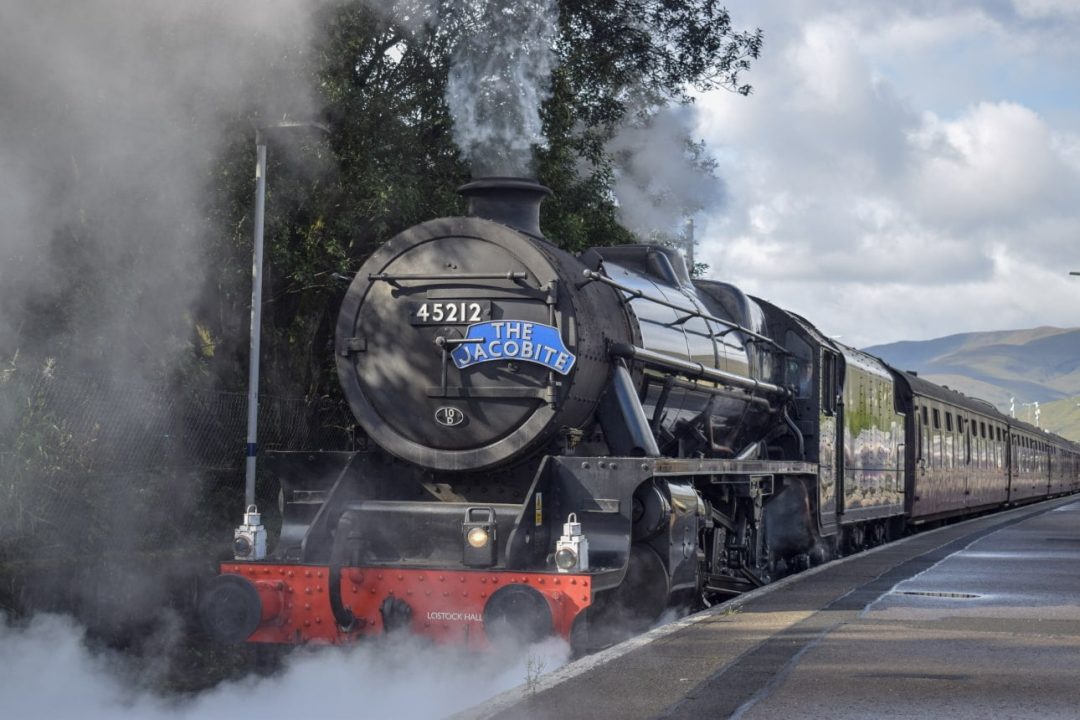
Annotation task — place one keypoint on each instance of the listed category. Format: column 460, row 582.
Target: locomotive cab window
column 799, row 367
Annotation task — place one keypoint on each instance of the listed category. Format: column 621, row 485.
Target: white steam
column 49, row 673
column 659, row 182
column 112, row 118
column 500, row 75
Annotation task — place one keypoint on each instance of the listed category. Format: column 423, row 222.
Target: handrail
column 695, row 370
column 691, row 312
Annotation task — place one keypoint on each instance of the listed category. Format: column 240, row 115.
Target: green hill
column 1061, row 417
column 1022, row 366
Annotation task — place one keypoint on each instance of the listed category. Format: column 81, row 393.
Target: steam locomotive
column 557, row 442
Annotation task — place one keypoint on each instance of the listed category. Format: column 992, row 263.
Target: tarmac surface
column 975, row 620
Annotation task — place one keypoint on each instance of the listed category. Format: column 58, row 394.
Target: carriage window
column 937, row 420
column 982, row 429
column 936, row 448
column 948, row 422
column 925, row 420
column 924, row 441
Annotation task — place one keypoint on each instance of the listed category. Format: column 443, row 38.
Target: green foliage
column 730, row 611
column 43, row 455
column 1061, row 417
column 389, row 160
column 620, row 62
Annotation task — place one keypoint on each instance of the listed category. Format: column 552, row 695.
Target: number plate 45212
column 449, row 312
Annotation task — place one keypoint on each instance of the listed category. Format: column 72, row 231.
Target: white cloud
column 998, row 163
column 885, row 186
column 1047, row 8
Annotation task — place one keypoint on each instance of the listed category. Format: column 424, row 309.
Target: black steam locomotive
column 556, row 441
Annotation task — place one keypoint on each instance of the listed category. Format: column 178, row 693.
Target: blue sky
column 903, row 170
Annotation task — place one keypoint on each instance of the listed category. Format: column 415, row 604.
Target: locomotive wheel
column 635, row 604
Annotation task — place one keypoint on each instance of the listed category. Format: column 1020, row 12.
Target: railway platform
column 980, row 619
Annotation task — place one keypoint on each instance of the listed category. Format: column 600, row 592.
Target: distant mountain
column 1038, row 365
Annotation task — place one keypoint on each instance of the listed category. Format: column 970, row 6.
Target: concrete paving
column 976, row 620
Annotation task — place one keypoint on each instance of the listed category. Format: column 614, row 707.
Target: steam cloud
column 658, row 183
column 112, row 124
column 49, row 673
column 112, row 116
column 500, row 75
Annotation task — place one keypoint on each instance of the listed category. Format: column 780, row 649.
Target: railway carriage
column 958, row 451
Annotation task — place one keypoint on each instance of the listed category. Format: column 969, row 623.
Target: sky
column 903, row 170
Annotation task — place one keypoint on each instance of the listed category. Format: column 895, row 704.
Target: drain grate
column 940, row 594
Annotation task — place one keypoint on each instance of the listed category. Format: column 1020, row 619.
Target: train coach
column 558, row 444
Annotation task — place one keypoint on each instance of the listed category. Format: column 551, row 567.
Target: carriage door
column 832, row 429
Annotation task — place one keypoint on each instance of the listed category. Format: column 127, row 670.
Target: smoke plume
column 500, row 75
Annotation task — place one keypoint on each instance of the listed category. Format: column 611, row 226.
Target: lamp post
column 252, row 527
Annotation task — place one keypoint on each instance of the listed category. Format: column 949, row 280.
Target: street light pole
column 256, row 318
column 250, row 537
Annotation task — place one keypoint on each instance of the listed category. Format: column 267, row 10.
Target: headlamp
column 572, row 549
column 242, row 546
column 477, row 537
column 565, row 558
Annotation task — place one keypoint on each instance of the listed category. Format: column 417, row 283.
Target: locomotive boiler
column 554, row 441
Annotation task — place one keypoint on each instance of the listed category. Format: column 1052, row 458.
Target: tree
column 391, row 161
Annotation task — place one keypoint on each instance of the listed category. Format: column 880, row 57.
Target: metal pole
column 690, row 242
column 256, row 320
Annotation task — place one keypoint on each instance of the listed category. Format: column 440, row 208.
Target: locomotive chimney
column 507, row 200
